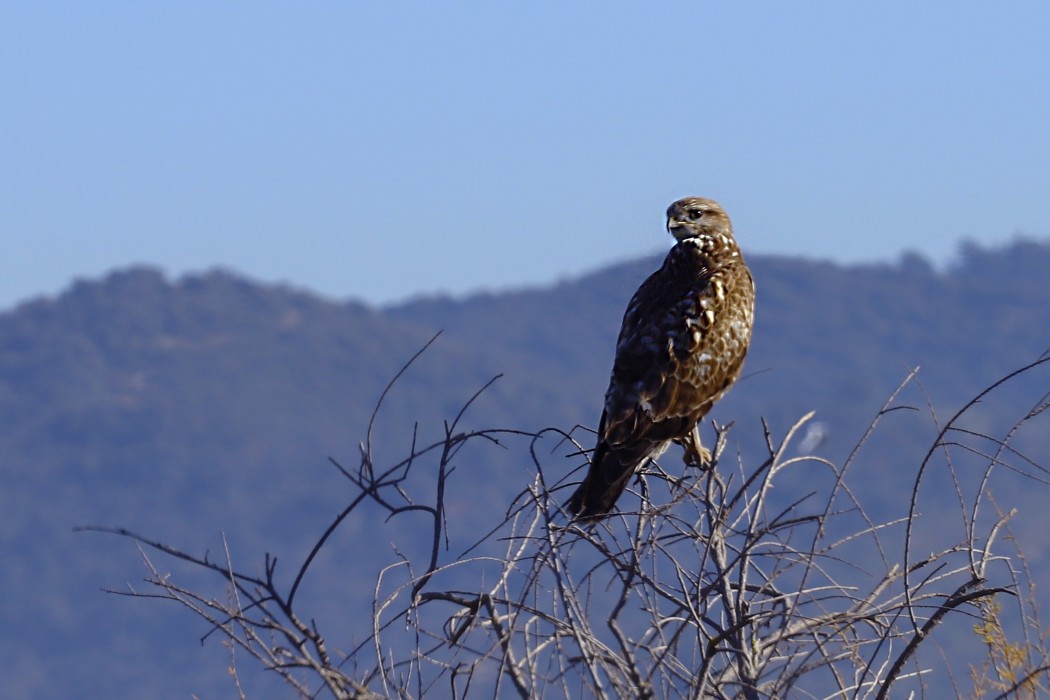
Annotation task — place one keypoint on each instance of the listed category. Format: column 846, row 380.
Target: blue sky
column 378, row 150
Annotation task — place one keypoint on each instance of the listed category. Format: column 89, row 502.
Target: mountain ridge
column 182, row 407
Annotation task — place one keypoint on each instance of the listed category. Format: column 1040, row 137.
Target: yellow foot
column 695, row 455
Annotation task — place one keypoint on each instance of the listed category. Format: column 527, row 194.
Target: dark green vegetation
column 179, row 409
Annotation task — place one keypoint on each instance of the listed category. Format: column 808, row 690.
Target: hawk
column 681, row 347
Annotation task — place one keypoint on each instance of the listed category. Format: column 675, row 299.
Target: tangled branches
column 721, row 583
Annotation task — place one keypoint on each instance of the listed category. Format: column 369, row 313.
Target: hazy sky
column 377, row 150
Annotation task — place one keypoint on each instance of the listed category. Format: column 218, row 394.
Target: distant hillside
column 182, row 408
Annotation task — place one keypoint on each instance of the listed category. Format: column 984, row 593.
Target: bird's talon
column 699, row 458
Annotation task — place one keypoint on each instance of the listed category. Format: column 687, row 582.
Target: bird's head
column 694, row 217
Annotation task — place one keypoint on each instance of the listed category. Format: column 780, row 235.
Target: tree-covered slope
column 182, row 408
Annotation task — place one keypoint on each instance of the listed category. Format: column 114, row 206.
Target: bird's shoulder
column 665, row 326
column 693, row 276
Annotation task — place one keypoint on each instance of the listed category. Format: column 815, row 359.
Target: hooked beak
column 673, row 227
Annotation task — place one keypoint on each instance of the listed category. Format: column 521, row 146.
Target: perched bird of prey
column 681, row 346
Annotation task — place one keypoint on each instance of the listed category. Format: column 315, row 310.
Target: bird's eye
column 695, row 214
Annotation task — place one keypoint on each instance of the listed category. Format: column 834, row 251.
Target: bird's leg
column 696, row 455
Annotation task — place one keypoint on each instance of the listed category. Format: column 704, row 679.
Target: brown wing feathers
column 682, row 343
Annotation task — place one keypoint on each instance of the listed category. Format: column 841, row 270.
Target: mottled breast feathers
column 681, row 346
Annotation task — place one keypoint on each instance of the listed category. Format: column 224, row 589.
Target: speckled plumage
column 681, row 346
